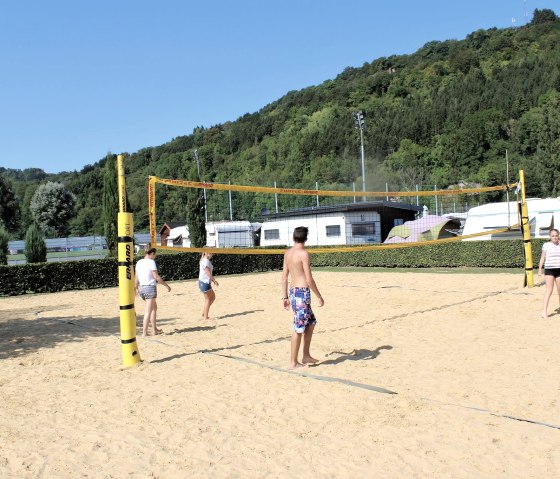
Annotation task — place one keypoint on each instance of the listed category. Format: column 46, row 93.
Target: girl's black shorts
column 552, row 272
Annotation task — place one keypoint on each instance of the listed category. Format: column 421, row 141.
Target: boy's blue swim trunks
column 300, row 298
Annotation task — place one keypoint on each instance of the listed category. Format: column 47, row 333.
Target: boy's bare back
column 296, row 261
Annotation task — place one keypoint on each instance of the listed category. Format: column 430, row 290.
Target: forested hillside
column 443, row 115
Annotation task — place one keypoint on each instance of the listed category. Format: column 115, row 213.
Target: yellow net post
column 152, row 210
column 526, row 229
column 130, row 354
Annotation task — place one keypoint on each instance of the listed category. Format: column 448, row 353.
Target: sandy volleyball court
column 422, row 374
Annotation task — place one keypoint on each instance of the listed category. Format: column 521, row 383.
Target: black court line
column 346, row 382
column 506, row 416
column 377, row 389
column 343, row 328
column 312, row 376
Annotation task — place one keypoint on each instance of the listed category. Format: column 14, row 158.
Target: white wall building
column 179, row 236
column 349, row 224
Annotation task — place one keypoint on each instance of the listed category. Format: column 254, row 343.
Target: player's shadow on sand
column 171, row 358
column 243, row 313
column 194, row 329
column 355, row 355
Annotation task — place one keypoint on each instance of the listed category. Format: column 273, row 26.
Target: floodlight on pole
column 204, row 191
column 359, row 118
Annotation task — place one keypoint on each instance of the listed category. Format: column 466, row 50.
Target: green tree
column 35, row 248
column 52, row 206
column 4, row 238
column 9, row 206
column 543, row 16
column 409, row 165
column 195, row 214
column 110, row 203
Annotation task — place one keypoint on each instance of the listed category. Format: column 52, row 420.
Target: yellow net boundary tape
column 153, row 180
column 347, row 249
column 293, row 191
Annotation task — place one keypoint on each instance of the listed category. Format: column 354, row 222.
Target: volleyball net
column 194, row 216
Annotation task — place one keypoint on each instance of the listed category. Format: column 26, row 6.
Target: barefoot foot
column 309, row 360
column 297, row 366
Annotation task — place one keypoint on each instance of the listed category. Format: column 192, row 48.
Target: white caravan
column 232, row 234
column 543, row 215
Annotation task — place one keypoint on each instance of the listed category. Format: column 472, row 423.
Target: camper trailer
column 542, row 214
column 232, row 234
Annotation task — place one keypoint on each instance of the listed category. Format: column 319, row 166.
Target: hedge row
column 473, row 254
column 103, row 273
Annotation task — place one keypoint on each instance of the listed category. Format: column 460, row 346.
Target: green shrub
column 4, row 238
column 35, row 248
column 103, row 273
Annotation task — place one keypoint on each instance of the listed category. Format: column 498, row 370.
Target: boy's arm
column 306, row 261
column 285, row 271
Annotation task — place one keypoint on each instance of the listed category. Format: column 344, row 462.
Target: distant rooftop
column 343, row 208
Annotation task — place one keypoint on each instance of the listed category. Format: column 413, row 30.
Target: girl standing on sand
column 550, row 259
column 205, row 282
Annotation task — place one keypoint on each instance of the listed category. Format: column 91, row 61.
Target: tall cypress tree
column 110, row 203
column 35, row 248
column 4, row 238
column 195, row 212
column 195, row 217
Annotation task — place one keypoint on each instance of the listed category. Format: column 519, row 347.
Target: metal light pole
column 198, row 170
column 359, row 117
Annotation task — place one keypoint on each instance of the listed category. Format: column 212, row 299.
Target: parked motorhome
column 348, row 224
column 543, row 215
column 232, row 234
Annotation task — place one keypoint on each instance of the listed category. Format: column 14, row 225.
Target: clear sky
column 81, row 78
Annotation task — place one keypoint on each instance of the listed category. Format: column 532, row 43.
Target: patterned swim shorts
column 148, row 291
column 300, row 298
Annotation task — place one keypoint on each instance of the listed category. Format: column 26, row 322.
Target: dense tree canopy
column 444, row 115
column 51, row 207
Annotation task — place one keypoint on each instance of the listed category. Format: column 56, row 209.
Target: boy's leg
column 307, row 335
column 295, row 343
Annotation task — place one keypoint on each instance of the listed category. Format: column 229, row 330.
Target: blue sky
column 81, row 78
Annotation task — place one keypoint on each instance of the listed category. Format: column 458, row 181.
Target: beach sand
column 422, row 375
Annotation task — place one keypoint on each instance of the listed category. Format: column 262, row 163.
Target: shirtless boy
column 298, row 267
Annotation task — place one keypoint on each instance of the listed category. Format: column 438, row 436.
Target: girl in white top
column 146, row 280
column 205, row 282
column 550, row 259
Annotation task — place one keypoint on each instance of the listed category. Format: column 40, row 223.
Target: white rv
column 232, row 234
column 543, row 215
